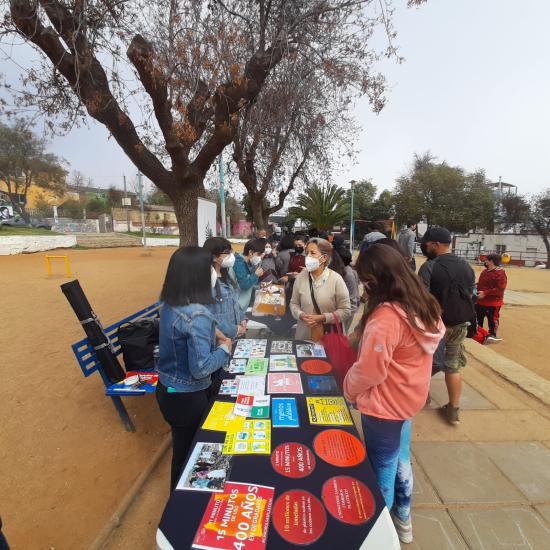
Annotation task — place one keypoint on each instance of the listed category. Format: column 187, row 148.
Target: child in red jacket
column 490, row 295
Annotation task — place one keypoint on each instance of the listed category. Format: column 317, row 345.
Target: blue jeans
column 388, row 448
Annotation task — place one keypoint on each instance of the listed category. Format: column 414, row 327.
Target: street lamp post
column 351, row 227
column 141, row 206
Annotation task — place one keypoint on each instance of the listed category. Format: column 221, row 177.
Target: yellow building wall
column 34, row 193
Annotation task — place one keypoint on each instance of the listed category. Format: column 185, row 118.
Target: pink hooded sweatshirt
column 391, row 377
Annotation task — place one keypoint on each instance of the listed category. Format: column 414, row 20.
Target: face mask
column 268, row 251
column 299, row 249
column 213, row 277
column 312, row 264
column 255, row 260
column 229, row 261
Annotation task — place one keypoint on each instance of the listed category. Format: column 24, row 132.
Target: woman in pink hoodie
column 389, row 382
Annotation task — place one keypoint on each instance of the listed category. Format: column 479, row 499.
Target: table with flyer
column 277, row 462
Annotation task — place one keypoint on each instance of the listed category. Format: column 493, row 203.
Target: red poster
column 339, row 448
column 237, row 519
column 316, row 366
column 348, row 500
column 299, row 517
column 293, row 460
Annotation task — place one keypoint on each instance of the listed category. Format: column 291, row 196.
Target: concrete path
column 484, row 484
column 517, row 298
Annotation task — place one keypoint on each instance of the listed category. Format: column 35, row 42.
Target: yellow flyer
column 221, row 417
column 331, row 411
column 253, row 438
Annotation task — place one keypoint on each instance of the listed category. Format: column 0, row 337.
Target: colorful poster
column 250, row 385
column 293, row 460
column 322, row 385
column 284, row 382
column 310, row 350
column 284, row 413
column 316, row 366
column 248, row 347
column 253, row 406
column 257, row 366
column 328, row 411
column 299, row 517
column 281, row 346
column 206, row 470
column 348, row 500
column 237, row 519
column 237, row 366
column 254, row 437
column 260, row 407
column 221, row 417
column 278, row 363
column 229, row 386
column 339, row 448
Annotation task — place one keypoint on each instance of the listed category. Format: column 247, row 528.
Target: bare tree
column 170, row 78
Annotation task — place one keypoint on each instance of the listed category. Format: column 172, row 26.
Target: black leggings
column 493, row 317
column 183, row 411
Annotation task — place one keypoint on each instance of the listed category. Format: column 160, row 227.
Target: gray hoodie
column 407, row 240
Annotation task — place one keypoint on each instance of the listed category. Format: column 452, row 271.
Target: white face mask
column 229, row 261
column 213, row 277
column 255, row 260
column 268, row 251
column 312, row 264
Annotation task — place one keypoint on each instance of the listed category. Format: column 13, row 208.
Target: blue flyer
column 284, row 413
column 322, row 385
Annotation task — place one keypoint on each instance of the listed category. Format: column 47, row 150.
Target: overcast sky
column 474, row 90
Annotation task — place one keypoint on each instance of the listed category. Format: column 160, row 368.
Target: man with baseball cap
column 451, row 280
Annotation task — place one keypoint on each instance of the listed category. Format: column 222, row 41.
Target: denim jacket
column 226, row 310
column 187, row 347
column 248, row 281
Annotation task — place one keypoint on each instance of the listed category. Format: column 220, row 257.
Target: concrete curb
column 118, row 515
column 510, row 370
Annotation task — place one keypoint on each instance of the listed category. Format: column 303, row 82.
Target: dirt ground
column 65, row 459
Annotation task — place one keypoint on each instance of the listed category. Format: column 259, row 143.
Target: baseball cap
column 437, row 235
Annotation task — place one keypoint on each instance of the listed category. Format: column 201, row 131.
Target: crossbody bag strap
column 315, row 304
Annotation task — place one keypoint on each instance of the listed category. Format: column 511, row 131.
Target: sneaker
column 451, row 414
column 404, row 529
column 493, row 340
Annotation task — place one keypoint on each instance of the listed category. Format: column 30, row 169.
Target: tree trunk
column 258, row 215
column 547, row 245
column 186, row 207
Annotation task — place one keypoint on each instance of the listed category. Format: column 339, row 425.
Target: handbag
column 339, row 351
column 138, row 340
column 316, row 332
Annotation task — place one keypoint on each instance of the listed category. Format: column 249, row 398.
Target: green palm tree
column 322, row 206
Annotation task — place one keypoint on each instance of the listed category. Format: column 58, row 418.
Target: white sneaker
column 493, row 340
column 404, row 529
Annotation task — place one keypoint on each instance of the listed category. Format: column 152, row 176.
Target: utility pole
column 222, row 195
column 126, row 204
column 351, row 227
column 141, row 206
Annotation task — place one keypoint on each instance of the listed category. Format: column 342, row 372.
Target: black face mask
column 299, row 249
column 430, row 255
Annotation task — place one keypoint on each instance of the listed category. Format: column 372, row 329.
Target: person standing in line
column 320, row 293
column 407, row 241
column 260, row 234
column 284, row 251
column 247, row 270
column 268, row 264
column 490, row 296
column 389, row 382
column 190, row 348
column 451, row 280
column 373, row 234
column 352, row 282
column 298, row 258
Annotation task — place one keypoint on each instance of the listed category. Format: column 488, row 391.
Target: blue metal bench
column 89, row 363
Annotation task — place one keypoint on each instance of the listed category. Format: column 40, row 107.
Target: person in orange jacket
column 490, row 296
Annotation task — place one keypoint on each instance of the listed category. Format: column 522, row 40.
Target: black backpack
column 456, row 303
column 138, row 340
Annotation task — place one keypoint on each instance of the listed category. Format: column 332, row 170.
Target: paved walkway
column 518, row 298
column 484, row 484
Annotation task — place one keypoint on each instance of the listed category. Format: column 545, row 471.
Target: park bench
column 89, row 363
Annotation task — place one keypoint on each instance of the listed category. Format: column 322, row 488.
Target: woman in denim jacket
column 225, row 309
column 191, row 348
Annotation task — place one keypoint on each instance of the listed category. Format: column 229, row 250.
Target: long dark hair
column 390, row 279
column 287, row 242
column 188, row 277
column 218, row 246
